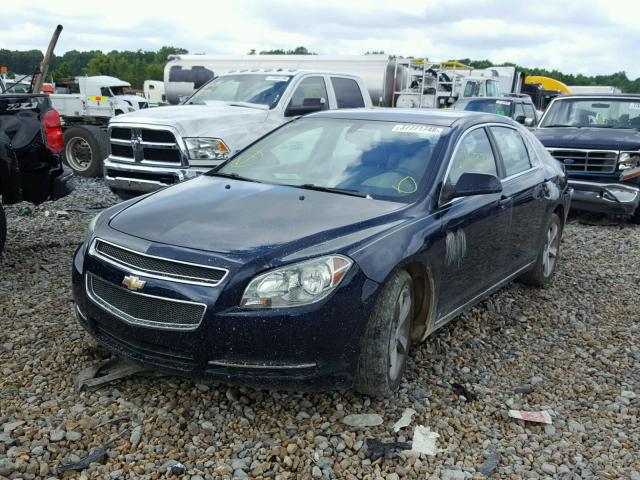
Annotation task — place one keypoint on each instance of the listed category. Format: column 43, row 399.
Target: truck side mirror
column 528, row 122
column 520, row 119
column 309, row 105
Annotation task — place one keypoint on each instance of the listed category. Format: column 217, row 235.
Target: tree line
column 137, row 66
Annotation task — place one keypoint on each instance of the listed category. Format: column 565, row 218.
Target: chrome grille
column 144, row 310
column 590, row 161
column 145, row 145
column 159, row 267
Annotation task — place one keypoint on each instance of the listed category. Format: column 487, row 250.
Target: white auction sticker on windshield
column 503, row 102
column 275, row 78
column 420, row 130
column 634, row 106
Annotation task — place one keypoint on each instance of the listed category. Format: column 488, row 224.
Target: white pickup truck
column 154, row 148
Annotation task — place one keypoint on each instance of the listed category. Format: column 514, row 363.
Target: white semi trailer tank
column 391, row 81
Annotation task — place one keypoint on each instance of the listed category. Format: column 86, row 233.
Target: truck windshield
column 384, row 160
column 603, row 112
column 498, row 107
column 251, row 88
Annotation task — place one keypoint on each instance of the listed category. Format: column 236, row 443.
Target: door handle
column 505, row 202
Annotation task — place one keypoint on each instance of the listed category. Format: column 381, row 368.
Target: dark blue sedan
column 319, row 254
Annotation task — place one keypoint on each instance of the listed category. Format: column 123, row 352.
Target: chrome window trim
column 152, row 273
column 137, row 321
column 455, row 151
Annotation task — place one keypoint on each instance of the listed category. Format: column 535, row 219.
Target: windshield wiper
column 342, row 191
column 257, row 106
column 235, row 176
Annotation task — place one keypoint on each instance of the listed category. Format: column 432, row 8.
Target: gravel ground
column 571, row 349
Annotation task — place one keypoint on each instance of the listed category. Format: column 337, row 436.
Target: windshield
column 257, row 89
column 385, row 160
column 121, row 91
column 498, row 107
column 593, row 112
column 14, row 87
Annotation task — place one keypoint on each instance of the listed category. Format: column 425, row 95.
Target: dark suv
column 597, row 139
column 520, row 107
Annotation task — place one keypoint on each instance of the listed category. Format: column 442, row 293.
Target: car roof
column 633, row 96
column 282, row 71
column 438, row 117
column 506, row 98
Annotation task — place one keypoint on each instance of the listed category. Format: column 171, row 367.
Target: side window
column 529, row 112
column 105, row 92
column 473, row 155
column 492, row 88
column 348, row 94
column 309, row 90
column 514, row 153
column 518, row 111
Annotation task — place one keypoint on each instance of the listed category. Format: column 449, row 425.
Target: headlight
column 207, row 149
column 628, row 160
column 91, row 228
column 298, row 284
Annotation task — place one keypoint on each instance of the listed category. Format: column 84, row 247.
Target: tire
column 3, row 228
column 85, row 149
column 545, row 268
column 635, row 218
column 384, row 348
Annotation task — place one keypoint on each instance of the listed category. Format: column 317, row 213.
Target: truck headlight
column 297, row 284
column 206, row 149
column 628, row 160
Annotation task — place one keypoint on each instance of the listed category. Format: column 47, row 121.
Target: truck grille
column 144, row 310
column 145, row 145
column 590, row 161
column 159, row 267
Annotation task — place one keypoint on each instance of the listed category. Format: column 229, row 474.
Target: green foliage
column 279, row 51
column 133, row 67
column 618, row 79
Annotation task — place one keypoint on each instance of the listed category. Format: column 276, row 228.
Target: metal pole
column 44, row 66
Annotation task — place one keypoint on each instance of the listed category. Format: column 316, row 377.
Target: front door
column 471, row 250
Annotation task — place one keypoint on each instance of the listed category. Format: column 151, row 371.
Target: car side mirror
column 472, row 184
column 309, row 105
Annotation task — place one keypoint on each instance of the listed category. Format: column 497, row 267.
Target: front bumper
column 617, row 198
column 304, row 348
column 138, row 179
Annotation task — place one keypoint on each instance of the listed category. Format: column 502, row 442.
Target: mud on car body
column 317, row 255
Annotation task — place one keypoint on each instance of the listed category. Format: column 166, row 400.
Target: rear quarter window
column 348, row 94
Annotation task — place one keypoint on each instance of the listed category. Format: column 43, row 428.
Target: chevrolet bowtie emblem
column 133, row 283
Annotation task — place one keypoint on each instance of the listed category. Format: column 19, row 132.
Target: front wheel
column 635, row 218
column 384, row 347
column 545, row 267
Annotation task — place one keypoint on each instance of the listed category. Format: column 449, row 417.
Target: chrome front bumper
column 617, row 198
column 138, row 179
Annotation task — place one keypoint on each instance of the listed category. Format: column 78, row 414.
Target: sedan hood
column 589, row 138
column 196, row 120
column 235, row 217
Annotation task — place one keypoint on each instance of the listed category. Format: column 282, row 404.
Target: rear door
column 522, row 184
column 471, row 252
column 348, row 93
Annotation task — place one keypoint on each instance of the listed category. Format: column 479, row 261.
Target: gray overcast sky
column 587, row 36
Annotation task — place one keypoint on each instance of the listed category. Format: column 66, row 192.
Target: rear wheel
column 384, row 348
column 3, row 228
column 548, row 258
column 85, row 148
